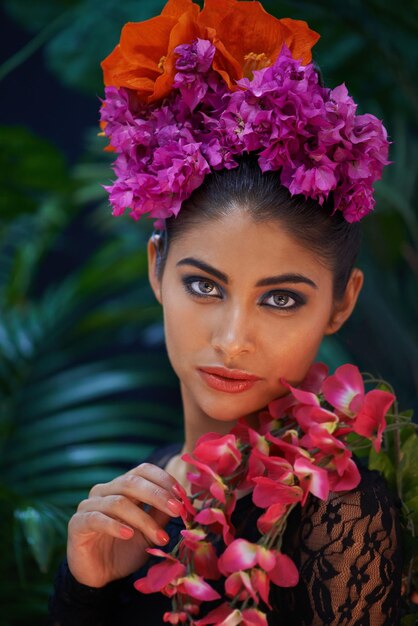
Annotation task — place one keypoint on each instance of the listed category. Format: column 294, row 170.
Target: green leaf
column 39, row 532
column 408, row 472
column 96, row 23
column 380, row 461
column 29, row 167
column 36, row 16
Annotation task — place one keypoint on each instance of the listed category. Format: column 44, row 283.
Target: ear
column 152, row 247
column 344, row 307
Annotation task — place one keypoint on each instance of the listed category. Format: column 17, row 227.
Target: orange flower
column 143, row 60
column 246, row 38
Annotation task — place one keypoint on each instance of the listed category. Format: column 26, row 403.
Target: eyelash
column 189, row 280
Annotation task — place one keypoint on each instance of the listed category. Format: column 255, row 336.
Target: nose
column 233, row 334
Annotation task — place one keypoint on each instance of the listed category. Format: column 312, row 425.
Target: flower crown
column 190, row 91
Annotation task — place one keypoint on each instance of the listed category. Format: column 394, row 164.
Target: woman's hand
column 109, row 533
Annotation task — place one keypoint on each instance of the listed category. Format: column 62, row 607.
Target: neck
column 196, row 424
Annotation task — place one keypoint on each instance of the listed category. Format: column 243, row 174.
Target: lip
column 236, row 381
column 225, row 372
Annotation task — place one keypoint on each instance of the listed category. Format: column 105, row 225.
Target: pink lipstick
column 228, row 380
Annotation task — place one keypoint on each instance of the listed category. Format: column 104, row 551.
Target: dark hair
column 260, row 195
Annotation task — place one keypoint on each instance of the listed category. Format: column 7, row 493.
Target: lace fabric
column 347, row 550
column 348, row 553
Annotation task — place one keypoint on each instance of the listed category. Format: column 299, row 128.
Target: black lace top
column 347, row 550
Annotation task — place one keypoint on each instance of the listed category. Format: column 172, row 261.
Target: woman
column 251, row 275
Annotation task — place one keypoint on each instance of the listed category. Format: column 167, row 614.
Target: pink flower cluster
column 299, row 448
column 309, row 133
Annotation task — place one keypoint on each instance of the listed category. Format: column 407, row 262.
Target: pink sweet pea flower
column 238, row 585
column 225, row 615
column 267, row 492
column 216, row 520
column 287, row 446
column 312, row 479
column 302, row 397
column 280, row 407
column 329, row 446
column 276, row 467
column 192, row 537
column 175, row 618
column 370, row 420
column 270, row 517
column 253, row 617
column 308, row 416
column 204, row 555
column 242, row 555
column 346, row 481
column 261, row 582
column 285, row 572
column 220, row 453
column 162, row 576
column 344, row 390
column 313, row 380
column 188, row 512
column 205, row 478
column 196, row 587
column 306, row 393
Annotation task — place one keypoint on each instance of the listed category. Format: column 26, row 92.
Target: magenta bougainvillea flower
column 309, row 133
column 300, row 452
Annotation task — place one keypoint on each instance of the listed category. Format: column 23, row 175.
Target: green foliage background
column 86, row 390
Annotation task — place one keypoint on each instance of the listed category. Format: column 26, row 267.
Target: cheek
column 292, row 343
column 186, row 330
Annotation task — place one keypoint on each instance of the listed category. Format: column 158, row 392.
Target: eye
column 284, row 300
column 201, row 287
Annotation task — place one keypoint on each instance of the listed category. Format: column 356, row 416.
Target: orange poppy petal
column 139, row 83
column 251, row 30
column 111, row 64
column 118, row 72
column 185, row 30
column 214, row 11
column 175, row 8
column 300, row 39
column 226, row 65
column 149, row 38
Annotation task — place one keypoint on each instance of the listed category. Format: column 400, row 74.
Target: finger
column 147, row 470
column 122, row 509
column 143, row 489
column 97, row 522
column 125, row 511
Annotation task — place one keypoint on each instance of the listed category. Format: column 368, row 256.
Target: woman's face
column 244, row 295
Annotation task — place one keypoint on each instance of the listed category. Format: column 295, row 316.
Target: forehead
column 239, row 246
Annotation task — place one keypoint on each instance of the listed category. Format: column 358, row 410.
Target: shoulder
column 371, row 495
column 368, row 513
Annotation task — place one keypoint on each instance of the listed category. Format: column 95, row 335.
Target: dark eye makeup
column 207, row 288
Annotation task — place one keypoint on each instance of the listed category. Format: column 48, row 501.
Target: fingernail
column 162, row 537
column 174, row 506
column 177, row 491
column 126, row 532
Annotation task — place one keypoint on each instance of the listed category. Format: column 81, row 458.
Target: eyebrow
column 270, row 280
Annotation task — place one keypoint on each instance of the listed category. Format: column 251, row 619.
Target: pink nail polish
column 174, row 506
column 162, row 537
column 177, row 491
column 126, row 532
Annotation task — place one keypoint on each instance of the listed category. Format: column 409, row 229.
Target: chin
column 230, row 408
